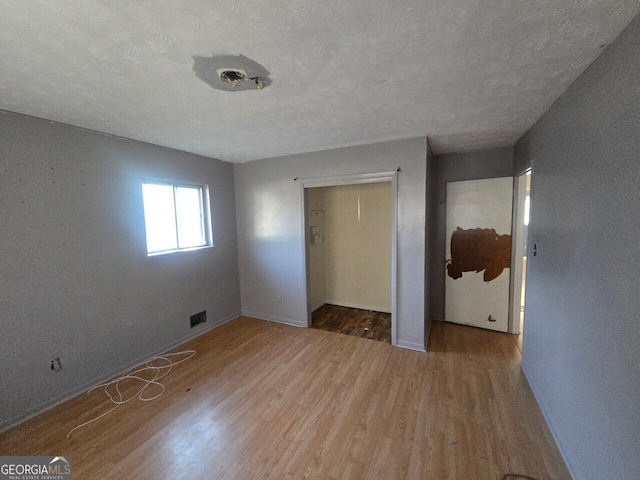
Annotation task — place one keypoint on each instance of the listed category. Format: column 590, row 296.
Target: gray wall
column 428, row 247
column 269, row 207
column 453, row 168
column 76, row 282
column 521, row 156
column 582, row 329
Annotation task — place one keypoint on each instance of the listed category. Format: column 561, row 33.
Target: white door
column 479, row 252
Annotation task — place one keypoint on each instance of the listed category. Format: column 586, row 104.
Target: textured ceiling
column 470, row 74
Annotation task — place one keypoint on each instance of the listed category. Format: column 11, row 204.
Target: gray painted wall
column 428, row 247
column 75, row 278
column 268, row 202
column 453, row 168
column 582, row 330
column 522, row 156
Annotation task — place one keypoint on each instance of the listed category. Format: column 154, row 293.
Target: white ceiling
column 471, row 74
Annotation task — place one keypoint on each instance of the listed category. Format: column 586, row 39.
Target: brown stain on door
column 478, row 249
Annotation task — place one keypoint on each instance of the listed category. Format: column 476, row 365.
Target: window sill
column 184, row 251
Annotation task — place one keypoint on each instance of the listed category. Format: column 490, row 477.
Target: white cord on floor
column 160, row 371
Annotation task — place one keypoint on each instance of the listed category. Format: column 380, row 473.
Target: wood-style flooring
column 265, row 400
column 353, row 321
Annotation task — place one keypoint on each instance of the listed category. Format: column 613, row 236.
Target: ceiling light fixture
column 231, row 73
column 232, row 76
column 236, row 76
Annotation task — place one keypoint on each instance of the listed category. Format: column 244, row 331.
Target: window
column 176, row 217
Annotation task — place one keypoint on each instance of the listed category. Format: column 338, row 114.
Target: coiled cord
column 160, row 371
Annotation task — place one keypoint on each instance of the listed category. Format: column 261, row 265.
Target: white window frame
column 205, row 216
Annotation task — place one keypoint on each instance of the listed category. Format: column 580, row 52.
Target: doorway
column 522, row 210
column 344, row 297
column 350, row 259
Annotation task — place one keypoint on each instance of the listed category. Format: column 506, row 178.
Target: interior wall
column 317, row 251
column 521, row 156
column 428, row 247
column 358, row 221
column 268, row 200
column 582, row 334
column 454, row 167
column 76, row 280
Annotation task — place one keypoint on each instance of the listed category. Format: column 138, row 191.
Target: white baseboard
column 271, row 318
column 63, row 397
column 411, row 346
column 317, row 306
column 563, row 454
column 359, row 306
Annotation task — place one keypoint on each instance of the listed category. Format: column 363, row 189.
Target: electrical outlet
column 56, row 366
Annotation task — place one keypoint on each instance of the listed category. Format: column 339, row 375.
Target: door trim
column 518, row 241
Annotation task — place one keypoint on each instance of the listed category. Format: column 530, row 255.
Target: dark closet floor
column 353, row 321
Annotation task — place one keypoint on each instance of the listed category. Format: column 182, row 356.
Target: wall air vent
column 198, row 318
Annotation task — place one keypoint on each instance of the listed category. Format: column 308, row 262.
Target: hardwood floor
column 353, row 321
column 265, row 400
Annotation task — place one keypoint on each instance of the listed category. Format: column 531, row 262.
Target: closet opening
column 350, row 243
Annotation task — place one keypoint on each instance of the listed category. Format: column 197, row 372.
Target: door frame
column 356, row 179
column 518, row 242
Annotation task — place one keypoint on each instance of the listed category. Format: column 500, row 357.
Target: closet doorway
column 350, row 253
